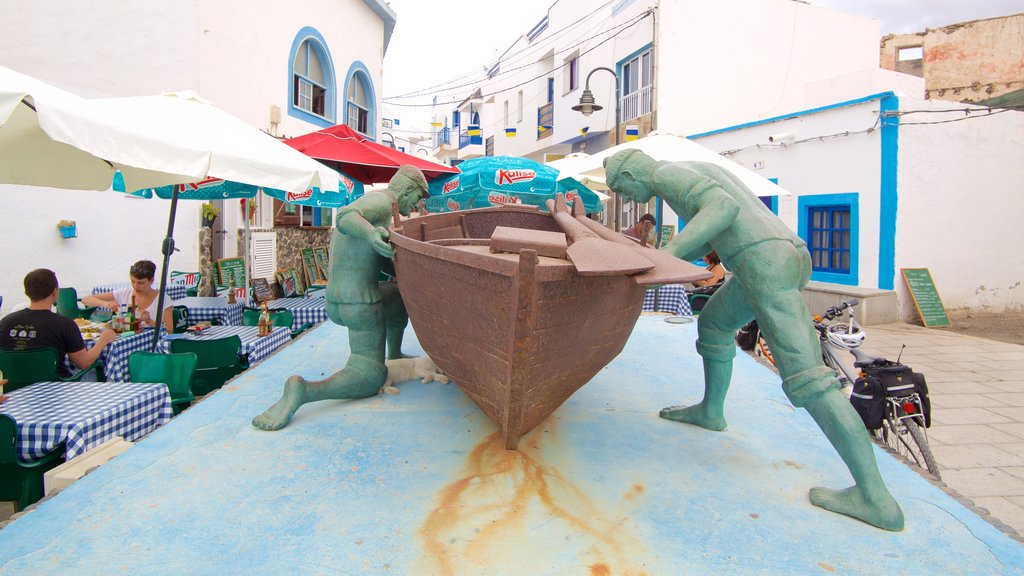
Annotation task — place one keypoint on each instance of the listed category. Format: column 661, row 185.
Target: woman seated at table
column 716, row 269
column 146, row 298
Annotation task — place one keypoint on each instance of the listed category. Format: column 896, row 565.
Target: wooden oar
column 667, row 268
column 591, row 255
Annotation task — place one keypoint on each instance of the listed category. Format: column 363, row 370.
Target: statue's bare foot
column 884, row 513
column 696, row 415
column 278, row 415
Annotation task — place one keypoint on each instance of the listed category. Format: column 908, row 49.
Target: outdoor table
column 83, row 415
column 175, row 290
column 312, row 309
column 670, row 298
column 212, row 308
column 115, row 355
column 254, row 347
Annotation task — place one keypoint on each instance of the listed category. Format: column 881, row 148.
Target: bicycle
column 891, row 399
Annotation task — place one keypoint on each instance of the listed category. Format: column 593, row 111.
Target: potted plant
column 252, row 210
column 210, row 213
column 67, row 228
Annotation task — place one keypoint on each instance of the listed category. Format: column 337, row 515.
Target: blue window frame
column 829, row 224
column 311, row 81
column 360, row 100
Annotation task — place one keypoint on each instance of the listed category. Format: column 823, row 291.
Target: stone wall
column 290, row 242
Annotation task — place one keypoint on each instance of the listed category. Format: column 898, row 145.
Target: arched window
column 360, row 100
column 311, row 90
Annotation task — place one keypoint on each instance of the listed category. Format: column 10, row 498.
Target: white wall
column 835, row 164
column 234, row 53
column 961, row 203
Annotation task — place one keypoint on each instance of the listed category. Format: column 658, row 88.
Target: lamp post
column 587, row 106
column 389, row 144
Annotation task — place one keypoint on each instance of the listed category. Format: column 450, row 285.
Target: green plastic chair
column 218, row 361
column 179, row 319
column 175, row 370
column 19, row 481
column 24, row 367
column 67, row 304
column 278, row 317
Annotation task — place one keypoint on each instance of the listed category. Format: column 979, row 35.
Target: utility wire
column 512, row 56
column 510, row 70
column 545, row 74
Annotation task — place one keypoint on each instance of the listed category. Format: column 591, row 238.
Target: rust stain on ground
column 635, row 490
column 483, row 518
column 826, row 567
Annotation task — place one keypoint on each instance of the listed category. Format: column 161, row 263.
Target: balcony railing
column 545, row 120
column 443, row 137
column 636, row 104
column 471, row 135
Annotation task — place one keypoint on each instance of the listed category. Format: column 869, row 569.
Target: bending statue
column 372, row 310
column 770, row 266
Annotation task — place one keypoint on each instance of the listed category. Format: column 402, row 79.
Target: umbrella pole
column 167, row 248
column 245, row 261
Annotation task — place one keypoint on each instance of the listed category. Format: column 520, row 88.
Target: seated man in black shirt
column 39, row 327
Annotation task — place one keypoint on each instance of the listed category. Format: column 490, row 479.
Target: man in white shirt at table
column 39, row 327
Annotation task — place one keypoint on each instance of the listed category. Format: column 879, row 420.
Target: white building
column 852, row 139
column 287, row 69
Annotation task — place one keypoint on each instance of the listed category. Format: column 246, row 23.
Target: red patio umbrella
column 359, row 157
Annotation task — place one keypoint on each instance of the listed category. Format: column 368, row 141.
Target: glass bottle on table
column 263, row 326
column 231, row 289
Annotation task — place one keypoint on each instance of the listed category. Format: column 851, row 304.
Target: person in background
column 39, row 327
column 141, row 275
column 716, row 269
column 643, row 229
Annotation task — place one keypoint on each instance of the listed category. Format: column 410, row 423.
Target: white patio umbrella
column 665, row 146
column 49, row 137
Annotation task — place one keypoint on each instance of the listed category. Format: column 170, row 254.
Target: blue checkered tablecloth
column 115, row 355
column 212, row 308
column 670, row 298
column 253, row 346
column 83, row 414
column 175, row 290
column 312, row 309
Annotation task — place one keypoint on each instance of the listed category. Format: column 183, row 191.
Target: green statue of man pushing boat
column 372, row 310
column 770, row 266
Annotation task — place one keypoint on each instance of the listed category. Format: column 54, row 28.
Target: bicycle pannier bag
column 899, row 380
column 746, row 337
column 868, row 399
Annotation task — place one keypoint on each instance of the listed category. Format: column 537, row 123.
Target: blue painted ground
column 418, row 484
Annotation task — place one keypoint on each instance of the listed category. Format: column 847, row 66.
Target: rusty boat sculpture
column 519, row 332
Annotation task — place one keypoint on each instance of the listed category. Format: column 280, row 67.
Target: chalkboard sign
column 313, row 274
column 926, row 298
column 667, row 232
column 261, row 290
column 288, row 278
column 228, row 268
column 322, row 261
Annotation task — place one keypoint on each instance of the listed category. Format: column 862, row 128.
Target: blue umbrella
column 500, row 180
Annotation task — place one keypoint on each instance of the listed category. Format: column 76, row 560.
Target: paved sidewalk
column 977, row 393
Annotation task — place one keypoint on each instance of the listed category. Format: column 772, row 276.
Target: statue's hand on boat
column 379, row 241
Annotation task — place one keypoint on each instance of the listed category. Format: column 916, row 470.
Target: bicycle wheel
column 904, row 437
column 922, row 447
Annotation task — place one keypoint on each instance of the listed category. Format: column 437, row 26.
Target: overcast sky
column 439, row 40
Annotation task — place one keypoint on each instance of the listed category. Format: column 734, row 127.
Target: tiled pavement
column 977, row 393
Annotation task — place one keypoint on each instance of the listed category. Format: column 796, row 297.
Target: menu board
column 312, row 271
column 322, row 261
column 261, row 290
column 290, row 283
column 667, row 232
column 926, row 297
column 228, row 268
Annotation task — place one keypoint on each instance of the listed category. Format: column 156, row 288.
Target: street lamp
column 588, row 106
column 389, row 144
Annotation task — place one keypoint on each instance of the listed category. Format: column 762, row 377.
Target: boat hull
column 519, row 333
